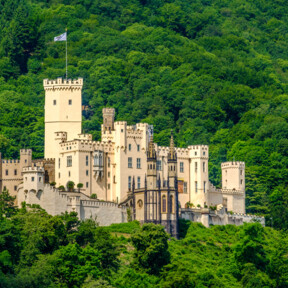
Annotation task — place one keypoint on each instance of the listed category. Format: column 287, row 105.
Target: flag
column 62, row 37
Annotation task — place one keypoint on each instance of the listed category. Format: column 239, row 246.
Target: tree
column 79, row 186
column 70, row 186
column 151, row 248
column 7, row 205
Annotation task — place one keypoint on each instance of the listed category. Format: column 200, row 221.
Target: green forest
column 214, row 71
column 38, row 250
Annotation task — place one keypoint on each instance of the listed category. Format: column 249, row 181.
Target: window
column 15, row 188
column 25, row 160
column 241, row 172
column 108, row 186
column 138, row 147
column 181, row 167
column 87, row 160
column 59, row 161
column 204, row 186
column 185, row 187
column 87, row 172
column 159, row 165
column 196, row 187
column 204, row 153
column 241, row 182
column 59, row 175
column 100, row 159
column 138, row 163
column 69, row 173
column 196, row 167
column 129, row 147
column 40, row 178
column 87, row 184
column 108, row 174
column 70, row 102
column 122, row 130
column 204, row 166
column 195, row 153
column 69, row 161
column 96, row 160
column 164, row 208
column 54, row 102
column 32, row 179
column 6, row 172
column 108, row 162
column 138, row 182
column 114, row 179
column 5, row 188
column 129, row 162
column 129, row 182
column 15, row 172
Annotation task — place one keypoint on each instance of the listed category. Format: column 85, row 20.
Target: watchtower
column 63, row 112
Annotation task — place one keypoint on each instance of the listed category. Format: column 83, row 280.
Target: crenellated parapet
column 63, row 84
column 233, row 164
column 199, row 151
column 36, row 169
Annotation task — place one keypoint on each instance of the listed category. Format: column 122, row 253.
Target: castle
column 122, row 169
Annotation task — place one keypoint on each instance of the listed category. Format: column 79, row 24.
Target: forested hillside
column 215, row 71
column 38, row 250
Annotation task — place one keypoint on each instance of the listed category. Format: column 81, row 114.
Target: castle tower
column 151, row 165
column 25, row 157
column 233, row 175
column 108, row 119
column 63, row 113
column 172, row 163
column 233, row 185
column 199, row 181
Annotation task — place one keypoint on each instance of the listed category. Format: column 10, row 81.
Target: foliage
column 151, row 248
column 7, row 205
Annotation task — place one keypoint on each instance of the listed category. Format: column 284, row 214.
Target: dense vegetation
column 215, row 71
column 38, row 250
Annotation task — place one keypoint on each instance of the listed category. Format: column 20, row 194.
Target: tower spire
column 172, row 153
column 151, row 155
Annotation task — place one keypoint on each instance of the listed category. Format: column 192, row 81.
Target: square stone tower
column 63, row 102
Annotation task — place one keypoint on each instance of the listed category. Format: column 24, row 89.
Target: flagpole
column 66, row 55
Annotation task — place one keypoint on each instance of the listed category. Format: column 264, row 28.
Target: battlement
column 141, row 125
column 25, row 151
column 110, row 111
column 233, row 164
column 85, row 136
column 33, row 169
column 232, row 191
column 10, row 161
column 61, row 135
column 63, row 83
column 120, row 123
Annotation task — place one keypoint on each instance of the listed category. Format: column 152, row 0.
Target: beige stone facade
column 107, row 167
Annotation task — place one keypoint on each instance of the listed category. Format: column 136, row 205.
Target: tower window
column 109, row 162
column 70, row 102
column 129, row 182
column 69, row 161
column 204, row 153
column 87, row 184
column 181, row 167
column 69, row 173
column 32, row 179
column 15, row 188
column 164, row 202
column 59, row 162
column 241, row 181
column 196, row 167
column 15, row 172
column 204, row 166
column 138, row 147
column 241, row 172
column 54, row 102
column 6, row 172
column 195, row 153
column 108, row 174
column 87, row 172
column 138, row 182
column 108, row 186
column 129, row 162
column 87, row 160
column 204, row 186
column 138, row 163
column 196, row 187
column 185, row 187
column 159, row 165
column 129, row 147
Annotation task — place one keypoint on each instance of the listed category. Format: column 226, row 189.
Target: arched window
column 100, row 160
column 164, row 204
column 171, row 204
